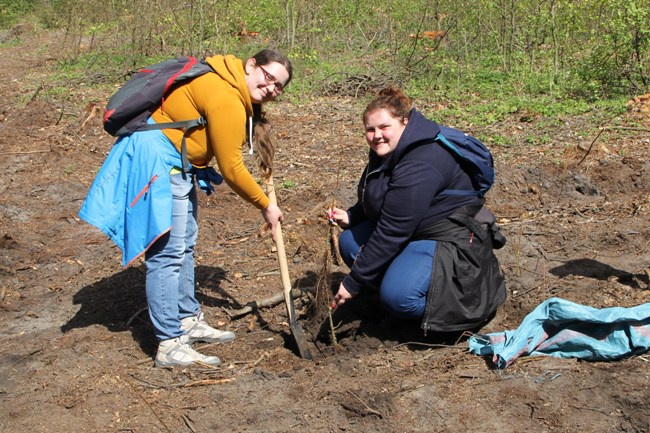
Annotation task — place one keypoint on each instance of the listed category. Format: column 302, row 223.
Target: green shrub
column 491, row 59
column 12, row 11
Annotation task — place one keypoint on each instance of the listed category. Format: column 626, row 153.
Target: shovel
column 296, row 329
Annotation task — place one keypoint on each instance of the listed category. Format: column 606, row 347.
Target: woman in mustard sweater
column 147, row 204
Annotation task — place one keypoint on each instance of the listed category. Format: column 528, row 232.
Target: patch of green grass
column 56, row 92
column 288, row 184
column 13, row 42
column 492, row 111
column 497, row 140
column 12, row 11
column 546, row 112
column 545, row 139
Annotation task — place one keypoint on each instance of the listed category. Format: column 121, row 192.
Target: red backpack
column 131, row 106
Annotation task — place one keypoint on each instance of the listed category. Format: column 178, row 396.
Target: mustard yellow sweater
column 223, row 100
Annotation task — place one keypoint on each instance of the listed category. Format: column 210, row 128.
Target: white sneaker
column 197, row 329
column 177, row 352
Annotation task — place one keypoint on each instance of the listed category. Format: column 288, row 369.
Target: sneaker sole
column 191, row 364
column 171, row 364
column 207, row 340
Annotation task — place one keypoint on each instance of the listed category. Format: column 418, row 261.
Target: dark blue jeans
column 403, row 289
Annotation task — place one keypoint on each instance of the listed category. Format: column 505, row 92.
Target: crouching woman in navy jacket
column 428, row 252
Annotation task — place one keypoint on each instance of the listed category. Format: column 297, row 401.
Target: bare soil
column 77, row 348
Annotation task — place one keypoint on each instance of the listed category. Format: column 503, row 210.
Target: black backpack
column 129, row 108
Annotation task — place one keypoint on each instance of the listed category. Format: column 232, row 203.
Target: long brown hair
column 262, row 138
column 393, row 100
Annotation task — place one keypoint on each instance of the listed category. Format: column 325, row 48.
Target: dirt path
column 77, row 349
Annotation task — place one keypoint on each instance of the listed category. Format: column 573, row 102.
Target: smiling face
column 383, row 131
column 265, row 82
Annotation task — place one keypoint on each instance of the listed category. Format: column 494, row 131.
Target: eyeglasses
column 270, row 79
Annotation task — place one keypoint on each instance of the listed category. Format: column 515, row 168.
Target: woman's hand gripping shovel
column 296, row 329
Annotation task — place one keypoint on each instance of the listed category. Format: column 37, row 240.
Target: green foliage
column 491, row 58
column 498, row 140
column 620, row 63
column 12, row 11
column 288, row 184
column 68, row 170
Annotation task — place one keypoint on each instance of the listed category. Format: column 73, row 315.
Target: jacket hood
column 418, row 130
column 231, row 69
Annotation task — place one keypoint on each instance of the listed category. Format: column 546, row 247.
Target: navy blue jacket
column 402, row 194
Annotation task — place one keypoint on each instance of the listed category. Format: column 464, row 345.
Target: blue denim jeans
column 170, row 263
column 404, row 286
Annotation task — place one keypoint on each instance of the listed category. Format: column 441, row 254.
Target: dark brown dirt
column 77, row 349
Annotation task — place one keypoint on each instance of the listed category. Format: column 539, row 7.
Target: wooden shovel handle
column 282, row 256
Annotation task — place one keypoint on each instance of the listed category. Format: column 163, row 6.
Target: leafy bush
column 11, row 11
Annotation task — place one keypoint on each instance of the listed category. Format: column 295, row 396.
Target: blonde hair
column 393, row 100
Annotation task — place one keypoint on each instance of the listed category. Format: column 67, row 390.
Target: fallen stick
column 188, row 422
column 271, row 301
column 368, row 408
column 26, row 152
column 592, row 145
column 35, row 94
column 204, row 382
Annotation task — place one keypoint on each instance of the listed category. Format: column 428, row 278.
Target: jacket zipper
column 365, row 182
column 425, row 322
column 144, row 190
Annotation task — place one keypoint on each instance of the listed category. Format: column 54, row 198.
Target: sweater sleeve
column 411, row 189
column 224, row 108
column 356, row 215
column 227, row 134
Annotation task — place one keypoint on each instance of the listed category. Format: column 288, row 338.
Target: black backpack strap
column 478, row 219
column 187, row 125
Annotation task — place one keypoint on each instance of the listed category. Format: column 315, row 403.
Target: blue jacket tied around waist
column 130, row 199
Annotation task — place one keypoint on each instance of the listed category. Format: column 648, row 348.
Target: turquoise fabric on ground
column 564, row 329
